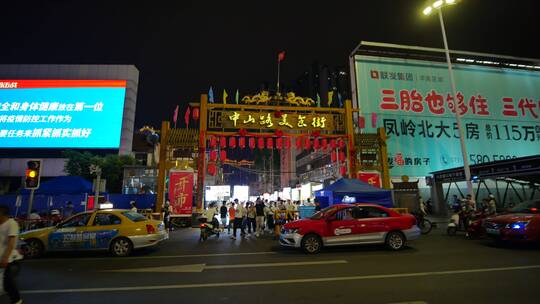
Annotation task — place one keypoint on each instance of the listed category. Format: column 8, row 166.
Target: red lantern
column 341, row 143
column 343, row 170
column 213, row 155
column 252, row 143
column 333, row 144
column 279, row 143
column 232, row 142
column 324, row 143
column 316, row 144
column 341, row 156
column 298, row 143
column 213, row 142
column 223, row 155
column 212, row 169
column 278, row 114
column 333, row 156
column 242, row 132
column 287, row 142
column 260, row 143
column 195, row 113
column 223, row 142
column 307, row 143
column 269, row 143
column 242, row 142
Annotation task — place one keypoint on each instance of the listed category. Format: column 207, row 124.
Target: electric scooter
column 208, row 228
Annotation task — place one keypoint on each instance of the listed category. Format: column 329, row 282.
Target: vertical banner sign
column 181, row 191
column 412, row 100
column 371, row 178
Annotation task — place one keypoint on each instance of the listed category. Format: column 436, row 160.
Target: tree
column 112, row 166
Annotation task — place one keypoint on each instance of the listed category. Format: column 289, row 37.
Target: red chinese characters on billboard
column 181, row 191
column 477, row 105
column 371, row 178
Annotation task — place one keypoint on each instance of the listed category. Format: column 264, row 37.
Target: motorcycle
column 474, row 224
column 453, row 225
column 208, row 229
column 423, row 223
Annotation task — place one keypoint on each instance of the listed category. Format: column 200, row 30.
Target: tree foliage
column 112, row 165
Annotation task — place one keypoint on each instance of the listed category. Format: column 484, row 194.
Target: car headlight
column 290, row 230
column 517, row 225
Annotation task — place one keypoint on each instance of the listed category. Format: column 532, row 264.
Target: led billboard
column 61, row 113
column 412, row 100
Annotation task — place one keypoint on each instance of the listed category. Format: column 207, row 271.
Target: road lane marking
column 204, row 255
column 201, row 267
column 278, row 282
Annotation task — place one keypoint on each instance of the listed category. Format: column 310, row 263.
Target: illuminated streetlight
column 438, row 6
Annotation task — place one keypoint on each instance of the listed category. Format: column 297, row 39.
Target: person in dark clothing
column 223, row 213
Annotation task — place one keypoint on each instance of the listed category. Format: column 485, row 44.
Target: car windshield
column 134, row 216
column 526, row 207
column 324, row 212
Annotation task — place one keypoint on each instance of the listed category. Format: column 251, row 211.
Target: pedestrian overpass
column 510, row 181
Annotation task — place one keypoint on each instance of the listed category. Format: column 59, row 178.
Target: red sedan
column 520, row 224
column 346, row 224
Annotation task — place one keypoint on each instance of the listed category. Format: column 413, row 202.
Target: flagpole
column 278, row 70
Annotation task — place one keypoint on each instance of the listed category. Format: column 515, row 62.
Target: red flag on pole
column 175, row 115
column 187, row 115
column 281, row 56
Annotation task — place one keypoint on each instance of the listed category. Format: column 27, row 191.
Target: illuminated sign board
column 412, row 100
column 268, row 120
column 61, row 113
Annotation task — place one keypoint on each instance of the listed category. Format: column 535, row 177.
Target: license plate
column 493, row 231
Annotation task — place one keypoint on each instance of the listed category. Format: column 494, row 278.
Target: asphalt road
column 434, row 269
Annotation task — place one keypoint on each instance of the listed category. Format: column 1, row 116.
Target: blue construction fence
column 41, row 202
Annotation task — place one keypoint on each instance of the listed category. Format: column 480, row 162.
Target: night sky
column 183, row 47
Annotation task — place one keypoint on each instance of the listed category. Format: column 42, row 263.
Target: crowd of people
column 252, row 218
column 468, row 208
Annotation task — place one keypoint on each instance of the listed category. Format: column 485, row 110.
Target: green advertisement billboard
column 412, row 100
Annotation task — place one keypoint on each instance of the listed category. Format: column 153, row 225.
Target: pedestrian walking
column 231, row 218
column 259, row 212
column 491, row 205
column 9, row 255
column 239, row 215
column 251, row 218
column 133, row 206
column 223, row 214
column 269, row 212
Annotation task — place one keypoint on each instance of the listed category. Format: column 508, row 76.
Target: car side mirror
column 330, row 218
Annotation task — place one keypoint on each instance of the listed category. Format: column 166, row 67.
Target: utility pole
column 95, row 169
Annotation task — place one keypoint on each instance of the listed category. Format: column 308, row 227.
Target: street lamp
column 428, row 10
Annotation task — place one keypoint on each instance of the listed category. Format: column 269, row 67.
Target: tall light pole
column 428, row 10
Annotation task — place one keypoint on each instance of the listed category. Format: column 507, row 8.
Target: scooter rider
column 210, row 215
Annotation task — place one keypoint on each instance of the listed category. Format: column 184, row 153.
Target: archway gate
column 259, row 122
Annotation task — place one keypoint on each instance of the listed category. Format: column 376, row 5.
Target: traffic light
column 32, row 174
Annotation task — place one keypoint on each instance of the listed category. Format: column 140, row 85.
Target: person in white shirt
column 239, row 214
column 34, row 215
column 9, row 255
column 133, row 206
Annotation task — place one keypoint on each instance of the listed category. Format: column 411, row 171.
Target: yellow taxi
column 119, row 231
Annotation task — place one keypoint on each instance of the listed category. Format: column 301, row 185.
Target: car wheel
column 34, row 249
column 311, row 244
column 121, row 247
column 426, row 226
column 395, row 240
column 451, row 231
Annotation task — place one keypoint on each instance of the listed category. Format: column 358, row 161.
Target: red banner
column 181, row 191
column 372, row 178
